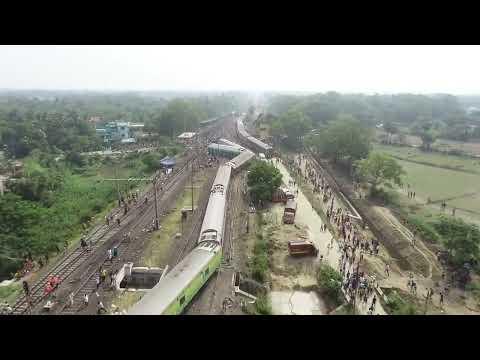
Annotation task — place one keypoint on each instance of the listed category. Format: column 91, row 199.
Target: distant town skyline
column 345, row 69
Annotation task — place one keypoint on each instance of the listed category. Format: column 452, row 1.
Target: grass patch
column 424, row 228
column 474, row 289
column 126, row 299
column 156, row 253
column 400, row 302
column 259, row 262
column 262, row 306
column 459, row 163
column 10, row 292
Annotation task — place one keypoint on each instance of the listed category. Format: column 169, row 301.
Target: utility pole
column 192, row 184
column 118, row 186
column 156, row 206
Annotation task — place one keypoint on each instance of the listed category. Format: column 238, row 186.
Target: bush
column 330, row 282
column 260, row 259
column 396, row 305
column 461, row 239
column 387, row 197
column 263, row 305
column 426, row 230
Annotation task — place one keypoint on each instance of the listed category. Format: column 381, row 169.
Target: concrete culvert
column 252, row 287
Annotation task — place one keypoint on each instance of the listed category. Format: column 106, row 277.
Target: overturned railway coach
column 224, row 150
column 251, row 141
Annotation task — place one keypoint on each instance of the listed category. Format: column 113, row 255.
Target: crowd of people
column 352, row 244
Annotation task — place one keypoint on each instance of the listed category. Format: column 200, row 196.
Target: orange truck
column 299, row 247
column 289, row 212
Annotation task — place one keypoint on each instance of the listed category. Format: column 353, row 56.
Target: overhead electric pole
column 156, row 206
column 192, row 184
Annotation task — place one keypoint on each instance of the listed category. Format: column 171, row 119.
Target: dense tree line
column 429, row 117
column 58, row 123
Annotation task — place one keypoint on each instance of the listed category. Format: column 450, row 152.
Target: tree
column 390, row 129
column 330, row 281
column 345, row 137
column 263, row 180
column 462, row 240
column 424, row 129
column 75, row 158
column 428, row 138
column 379, row 169
column 295, row 124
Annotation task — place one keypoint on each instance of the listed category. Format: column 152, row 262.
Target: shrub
column 426, row 230
column 330, row 282
column 263, row 305
column 260, row 259
column 396, row 305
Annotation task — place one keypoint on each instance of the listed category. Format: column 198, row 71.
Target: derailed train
column 251, row 141
column 176, row 290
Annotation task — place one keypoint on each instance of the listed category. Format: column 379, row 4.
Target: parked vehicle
column 282, row 194
column 289, row 212
column 301, row 247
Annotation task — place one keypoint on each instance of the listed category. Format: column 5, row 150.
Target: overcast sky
column 382, row 69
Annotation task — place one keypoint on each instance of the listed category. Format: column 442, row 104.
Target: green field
column 436, row 159
column 460, row 189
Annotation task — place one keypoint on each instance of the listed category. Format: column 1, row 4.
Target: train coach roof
column 158, row 299
column 241, row 128
column 241, row 159
column 229, row 143
column 259, row 143
column 215, row 146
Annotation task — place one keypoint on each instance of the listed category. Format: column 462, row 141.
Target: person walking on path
column 97, row 281
column 387, row 270
column 441, row 299
column 374, row 302
column 85, row 300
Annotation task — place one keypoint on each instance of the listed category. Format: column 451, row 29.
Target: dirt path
column 308, row 216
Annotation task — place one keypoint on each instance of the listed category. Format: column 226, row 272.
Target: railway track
column 192, row 238
column 89, row 284
column 73, row 261
column 134, row 226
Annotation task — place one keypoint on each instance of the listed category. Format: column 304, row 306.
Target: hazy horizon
column 259, row 69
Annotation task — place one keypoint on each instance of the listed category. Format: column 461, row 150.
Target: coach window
column 182, row 300
column 205, row 273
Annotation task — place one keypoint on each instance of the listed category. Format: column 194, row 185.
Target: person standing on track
column 85, row 300
column 103, row 275
column 97, row 281
column 71, row 297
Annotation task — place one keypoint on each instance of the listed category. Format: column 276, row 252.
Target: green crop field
column 435, row 159
column 430, row 179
